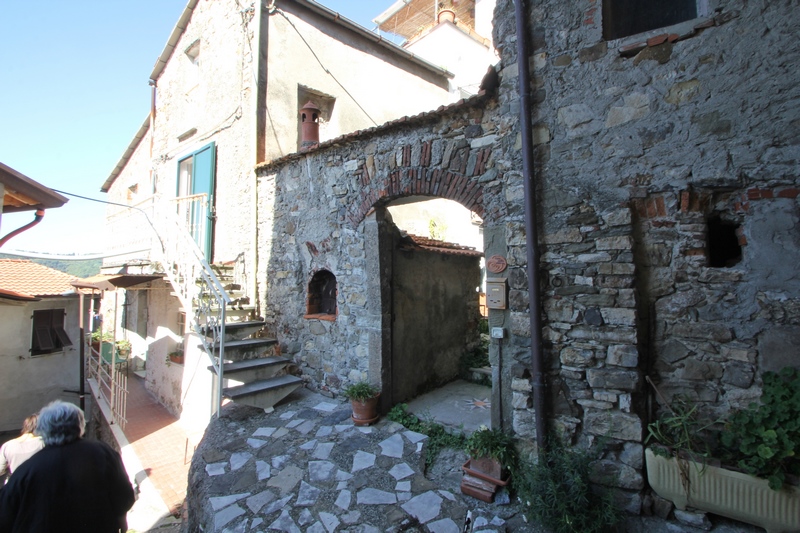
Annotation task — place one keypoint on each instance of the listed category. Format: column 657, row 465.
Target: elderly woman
column 16, row 451
column 72, row 484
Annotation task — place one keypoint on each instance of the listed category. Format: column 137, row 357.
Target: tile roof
column 27, row 278
column 414, row 120
column 443, row 247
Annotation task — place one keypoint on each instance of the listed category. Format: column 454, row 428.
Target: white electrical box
column 498, row 333
column 496, row 293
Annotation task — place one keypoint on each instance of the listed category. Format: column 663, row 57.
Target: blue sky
column 74, row 92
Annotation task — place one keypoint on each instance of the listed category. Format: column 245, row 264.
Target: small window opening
column 724, row 249
column 322, row 294
column 49, row 335
column 622, row 18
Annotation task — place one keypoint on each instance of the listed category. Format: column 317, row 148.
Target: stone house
column 643, row 182
column 227, row 93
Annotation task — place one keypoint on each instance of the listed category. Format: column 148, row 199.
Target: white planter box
column 727, row 493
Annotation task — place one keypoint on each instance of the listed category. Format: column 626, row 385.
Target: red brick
column 789, row 193
column 685, row 198
column 658, row 39
column 661, row 209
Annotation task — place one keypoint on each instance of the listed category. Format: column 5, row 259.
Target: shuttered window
column 49, row 335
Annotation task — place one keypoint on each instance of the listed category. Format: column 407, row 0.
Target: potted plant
column 364, row 402
column 99, row 336
column 175, row 357
column 756, row 445
column 124, row 348
column 492, row 454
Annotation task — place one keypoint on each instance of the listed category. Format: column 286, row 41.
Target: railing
column 195, row 284
column 192, row 213
column 125, row 230
column 176, row 244
column 111, row 383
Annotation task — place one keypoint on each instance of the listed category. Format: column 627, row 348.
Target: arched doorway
column 435, row 282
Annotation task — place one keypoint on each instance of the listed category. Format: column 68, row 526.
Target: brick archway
column 415, row 176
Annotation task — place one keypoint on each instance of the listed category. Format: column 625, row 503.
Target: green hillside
column 81, row 269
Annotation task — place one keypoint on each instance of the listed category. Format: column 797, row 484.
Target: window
column 48, row 332
column 321, row 295
column 724, row 249
column 629, row 17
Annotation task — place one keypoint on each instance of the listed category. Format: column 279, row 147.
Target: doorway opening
column 439, row 361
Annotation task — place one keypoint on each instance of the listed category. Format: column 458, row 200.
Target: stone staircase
column 256, row 373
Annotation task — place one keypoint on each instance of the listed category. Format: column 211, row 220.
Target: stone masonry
column 649, row 151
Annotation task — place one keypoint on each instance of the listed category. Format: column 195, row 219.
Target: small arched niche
column 321, row 298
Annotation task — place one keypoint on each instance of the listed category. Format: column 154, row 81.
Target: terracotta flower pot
column 177, row 359
column 366, row 412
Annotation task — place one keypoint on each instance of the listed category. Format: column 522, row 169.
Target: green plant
column 764, row 439
column 360, row 391
column 438, row 437
column 493, row 443
column 104, row 336
column 124, row 345
column 681, row 431
column 557, row 492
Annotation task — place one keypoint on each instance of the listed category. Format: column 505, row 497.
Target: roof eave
column 123, row 161
column 44, row 197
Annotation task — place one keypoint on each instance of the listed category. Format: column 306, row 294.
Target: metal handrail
column 197, row 287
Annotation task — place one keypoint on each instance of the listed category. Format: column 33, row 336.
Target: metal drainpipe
column 531, row 231
column 36, row 219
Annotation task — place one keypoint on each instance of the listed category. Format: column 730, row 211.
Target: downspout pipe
column 531, row 229
column 36, row 219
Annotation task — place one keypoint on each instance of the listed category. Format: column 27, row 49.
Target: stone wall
column 324, row 210
column 649, row 152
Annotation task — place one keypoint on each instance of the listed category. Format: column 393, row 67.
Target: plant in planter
column 364, row 401
column 175, row 357
column 124, row 348
column 492, row 456
column 757, row 441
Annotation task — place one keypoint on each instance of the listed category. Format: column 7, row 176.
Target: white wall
column 29, row 383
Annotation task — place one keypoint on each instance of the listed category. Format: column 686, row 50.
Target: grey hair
column 60, row 423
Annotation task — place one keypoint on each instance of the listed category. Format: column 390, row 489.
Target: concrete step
column 251, row 370
column 263, row 393
column 233, row 328
column 246, row 344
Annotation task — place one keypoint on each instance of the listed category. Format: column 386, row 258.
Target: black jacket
column 81, row 487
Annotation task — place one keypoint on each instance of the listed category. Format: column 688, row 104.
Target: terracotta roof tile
column 29, row 278
column 443, row 247
column 358, row 134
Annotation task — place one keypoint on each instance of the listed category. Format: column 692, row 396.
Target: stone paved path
column 306, row 467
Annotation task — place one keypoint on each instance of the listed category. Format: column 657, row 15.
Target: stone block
column 611, row 378
column 577, row 357
column 619, row 317
column 620, row 242
column 614, row 424
column 624, row 355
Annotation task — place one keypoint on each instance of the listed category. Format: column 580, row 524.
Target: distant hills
column 81, row 269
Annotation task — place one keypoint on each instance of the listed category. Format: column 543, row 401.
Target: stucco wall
column 383, row 86
column 30, row 383
column 435, row 319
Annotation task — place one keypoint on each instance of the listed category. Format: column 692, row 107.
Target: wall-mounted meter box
column 496, row 290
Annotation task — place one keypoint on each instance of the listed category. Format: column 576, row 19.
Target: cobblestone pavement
column 306, row 467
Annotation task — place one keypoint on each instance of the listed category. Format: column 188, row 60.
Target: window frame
column 48, row 332
column 682, row 29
